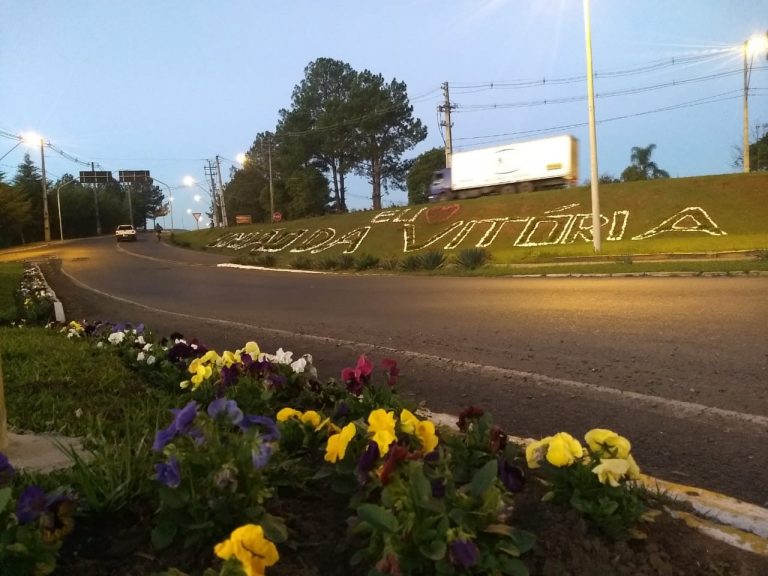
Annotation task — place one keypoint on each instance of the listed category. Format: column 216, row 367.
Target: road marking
column 675, row 408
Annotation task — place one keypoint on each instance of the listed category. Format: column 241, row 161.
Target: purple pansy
column 221, row 407
column 168, row 473
column 260, row 455
column 511, row 476
column 6, row 471
column 367, row 461
column 464, row 553
column 31, row 504
column 268, row 426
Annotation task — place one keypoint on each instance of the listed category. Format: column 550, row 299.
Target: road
column 678, row 365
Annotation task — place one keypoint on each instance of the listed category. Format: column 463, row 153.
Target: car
column 125, row 233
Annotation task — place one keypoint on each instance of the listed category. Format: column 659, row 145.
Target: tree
column 386, row 128
column 420, row 175
column 318, row 129
column 15, row 215
column 642, row 168
column 758, row 151
column 28, row 184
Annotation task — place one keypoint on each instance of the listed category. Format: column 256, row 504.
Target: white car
column 125, row 232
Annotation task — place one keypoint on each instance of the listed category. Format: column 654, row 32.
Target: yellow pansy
column 607, row 442
column 311, row 417
column 408, row 422
column 337, row 443
column 382, row 425
column 563, row 450
column 200, row 372
column 228, row 358
column 611, row 470
column 425, row 430
column 250, row 547
column 252, row 349
column 535, row 451
column 634, row 469
column 287, row 413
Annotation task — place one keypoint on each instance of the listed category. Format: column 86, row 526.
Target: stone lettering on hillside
column 563, row 225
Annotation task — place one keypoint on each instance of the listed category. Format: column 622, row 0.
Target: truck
column 508, row 168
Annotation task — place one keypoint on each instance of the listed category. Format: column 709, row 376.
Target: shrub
column 390, row 263
column 366, row 261
column 472, row 258
column 266, row 260
column 433, row 259
column 412, row 262
column 301, row 263
column 328, row 263
column 346, row 261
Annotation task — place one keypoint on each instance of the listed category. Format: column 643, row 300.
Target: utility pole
column 271, row 190
column 46, row 218
column 96, row 202
column 221, row 194
column 446, row 110
column 209, row 172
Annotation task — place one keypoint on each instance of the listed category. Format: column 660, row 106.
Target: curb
column 58, row 307
column 724, row 518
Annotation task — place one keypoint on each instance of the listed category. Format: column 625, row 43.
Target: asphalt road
column 678, row 365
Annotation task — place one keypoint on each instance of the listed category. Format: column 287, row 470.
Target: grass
column 10, row 276
column 734, row 204
column 54, row 384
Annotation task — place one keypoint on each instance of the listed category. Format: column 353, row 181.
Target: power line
column 731, row 95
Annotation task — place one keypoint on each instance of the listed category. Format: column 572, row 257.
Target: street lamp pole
column 757, row 44
column 46, row 218
column 594, row 178
column 58, row 205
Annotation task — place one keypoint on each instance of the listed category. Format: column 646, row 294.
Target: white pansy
column 99, row 344
column 140, row 357
column 141, row 340
column 116, row 338
column 147, row 347
column 299, row 365
column 150, row 360
column 282, row 357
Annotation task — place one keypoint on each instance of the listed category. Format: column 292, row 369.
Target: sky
column 165, row 85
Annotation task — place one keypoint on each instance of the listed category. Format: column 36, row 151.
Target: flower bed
column 262, row 467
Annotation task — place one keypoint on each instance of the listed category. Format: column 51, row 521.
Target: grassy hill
column 683, row 215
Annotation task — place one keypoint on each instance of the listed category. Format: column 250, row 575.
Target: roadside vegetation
column 705, row 224
column 196, row 461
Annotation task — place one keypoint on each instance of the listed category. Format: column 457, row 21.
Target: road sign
column 243, row 219
column 197, row 215
column 276, row 217
column 97, row 177
column 135, row 176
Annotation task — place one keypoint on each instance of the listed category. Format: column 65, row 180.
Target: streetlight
column 756, row 44
column 592, row 133
column 170, row 198
column 30, row 138
column 58, row 205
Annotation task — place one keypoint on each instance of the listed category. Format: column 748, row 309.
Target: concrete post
column 3, row 419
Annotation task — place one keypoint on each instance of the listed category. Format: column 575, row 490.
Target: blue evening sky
column 165, row 85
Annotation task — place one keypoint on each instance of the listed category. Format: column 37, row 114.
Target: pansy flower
column 251, row 548
column 168, row 473
column 336, row 448
column 381, row 424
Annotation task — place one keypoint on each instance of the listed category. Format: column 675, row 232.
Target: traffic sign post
column 95, row 177
column 276, row 217
column 197, row 215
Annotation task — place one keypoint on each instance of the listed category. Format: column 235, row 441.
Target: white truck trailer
column 509, row 168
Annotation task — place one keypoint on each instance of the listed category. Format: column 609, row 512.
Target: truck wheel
column 525, row 187
column 509, row 189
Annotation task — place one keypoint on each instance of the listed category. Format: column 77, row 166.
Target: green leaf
column 524, row 540
column 378, row 517
column 420, row 486
column 508, row 548
column 274, row 528
column 502, row 529
column 435, row 550
column 512, row 566
column 5, row 497
column 483, row 478
column 162, row 536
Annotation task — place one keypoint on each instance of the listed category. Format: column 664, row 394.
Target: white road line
column 675, row 408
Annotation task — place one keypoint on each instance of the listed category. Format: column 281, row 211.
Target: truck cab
column 440, row 187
